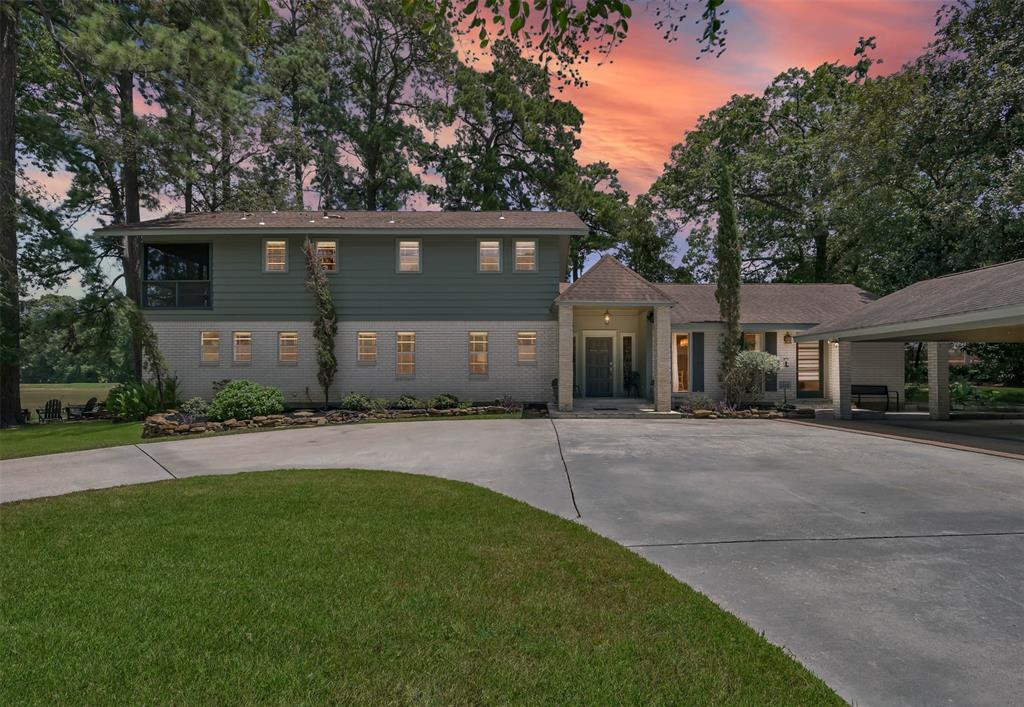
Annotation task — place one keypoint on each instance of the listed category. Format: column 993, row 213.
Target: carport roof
column 986, row 304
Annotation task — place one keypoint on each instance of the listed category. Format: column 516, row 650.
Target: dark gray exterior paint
column 367, row 286
column 697, row 352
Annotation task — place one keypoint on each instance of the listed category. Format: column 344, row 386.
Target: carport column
column 938, row 380
column 842, row 380
column 565, row 381
column 662, row 358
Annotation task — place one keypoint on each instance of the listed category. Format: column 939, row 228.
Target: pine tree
column 325, row 326
column 727, row 257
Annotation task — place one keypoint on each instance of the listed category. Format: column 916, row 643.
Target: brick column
column 662, row 337
column 841, row 380
column 565, row 381
column 938, row 380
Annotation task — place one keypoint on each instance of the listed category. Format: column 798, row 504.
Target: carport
column 983, row 305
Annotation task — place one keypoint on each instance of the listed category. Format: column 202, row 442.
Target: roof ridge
column 964, row 272
column 637, row 275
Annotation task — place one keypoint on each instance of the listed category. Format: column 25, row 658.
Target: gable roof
column 769, row 303
column 610, row 281
column 554, row 222
column 980, row 290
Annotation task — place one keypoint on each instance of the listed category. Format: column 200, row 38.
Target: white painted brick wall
column 442, row 359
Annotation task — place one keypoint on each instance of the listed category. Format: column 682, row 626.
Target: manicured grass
column 35, row 395
column 918, row 393
column 32, row 440
column 354, row 587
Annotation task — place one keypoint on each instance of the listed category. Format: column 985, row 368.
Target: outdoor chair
column 81, row 412
column 51, row 412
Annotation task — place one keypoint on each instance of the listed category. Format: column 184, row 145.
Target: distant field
column 35, row 395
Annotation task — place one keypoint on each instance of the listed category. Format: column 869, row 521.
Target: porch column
column 565, row 381
column 841, row 378
column 662, row 336
column 938, row 380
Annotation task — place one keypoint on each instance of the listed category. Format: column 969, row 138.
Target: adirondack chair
column 53, row 411
column 80, row 412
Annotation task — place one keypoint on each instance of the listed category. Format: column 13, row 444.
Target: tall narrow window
column 489, row 256
column 367, row 347
column 209, row 344
column 275, row 256
column 327, row 255
column 478, row 352
column 527, row 345
column 409, row 256
column 681, row 364
column 808, row 369
column 526, row 256
column 627, row 359
column 405, row 353
column 243, row 346
column 287, row 346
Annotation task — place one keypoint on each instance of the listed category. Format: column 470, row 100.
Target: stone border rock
column 174, row 424
column 799, row 413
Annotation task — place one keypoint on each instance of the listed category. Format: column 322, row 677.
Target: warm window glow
column 682, row 363
column 287, row 346
column 478, row 352
column 526, row 256
column 750, row 342
column 490, row 256
column 408, row 256
column 405, row 353
column 527, row 346
column 327, row 255
column 367, row 349
column 275, row 256
column 808, row 369
column 210, row 346
column 243, row 346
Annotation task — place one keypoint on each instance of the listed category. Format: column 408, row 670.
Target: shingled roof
column 769, row 303
column 980, row 290
column 609, row 281
column 382, row 221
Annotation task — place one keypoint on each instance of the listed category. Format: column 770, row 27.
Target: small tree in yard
column 745, row 380
column 727, row 256
column 325, row 325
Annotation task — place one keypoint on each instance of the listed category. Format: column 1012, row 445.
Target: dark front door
column 599, row 367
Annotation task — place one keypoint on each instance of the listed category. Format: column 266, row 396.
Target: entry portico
column 614, row 337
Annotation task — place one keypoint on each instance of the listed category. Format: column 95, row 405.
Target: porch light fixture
column 607, row 317
column 788, row 338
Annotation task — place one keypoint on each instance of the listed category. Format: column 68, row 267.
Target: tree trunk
column 131, row 258
column 189, row 187
column 10, row 315
column 225, row 161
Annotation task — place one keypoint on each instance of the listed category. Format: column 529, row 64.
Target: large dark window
column 176, row 275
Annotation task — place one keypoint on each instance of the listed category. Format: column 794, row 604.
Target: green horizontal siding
column 367, row 286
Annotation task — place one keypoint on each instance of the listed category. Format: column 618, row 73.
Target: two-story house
column 472, row 303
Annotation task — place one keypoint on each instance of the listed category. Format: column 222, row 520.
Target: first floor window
column 527, row 341
column 627, row 359
column 751, row 342
column 681, row 363
column 808, row 369
column 408, row 256
column 478, row 352
column 327, row 255
column 210, row 346
column 526, row 256
column 243, row 346
column 287, row 346
column 405, row 353
column 275, row 256
column 489, row 256
column 367, row 346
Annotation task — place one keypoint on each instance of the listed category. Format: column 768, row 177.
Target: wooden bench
column 875, row 391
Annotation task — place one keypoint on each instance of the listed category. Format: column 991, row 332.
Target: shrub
column 380, row 404
column 444, row 401
column 408, row 402
column 134, row 400
column 745, row 380
column 356, row 401
column 241, row 399
column 195, row 407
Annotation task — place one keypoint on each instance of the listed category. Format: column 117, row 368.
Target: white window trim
column 536, row 348
column 297, row 350
column 487, row 353
column 263, row 255
column 536, row 255
column 501, row 255
column 398, row 256
column 399, row 374
column 758, row 340
column 376, row 350
column 202, row 361
column 337, row 257
column 622, row 358
column 234, row 348
column 675, row 360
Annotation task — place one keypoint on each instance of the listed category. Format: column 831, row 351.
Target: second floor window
column 367, row 347
column 288, row 346
column 176, row 275
column 327, row 255
column 489, row 258
column 209, row 344
column 526, row 256
column 478, row 352
column 408, row 256
column 243, row 346
column 275, row 256
column 405, row 353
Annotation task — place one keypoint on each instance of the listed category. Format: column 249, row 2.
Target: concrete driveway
column 891, row 569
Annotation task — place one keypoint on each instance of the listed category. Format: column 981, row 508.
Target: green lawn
column 35, row 395
column 354, row 587
column 32, row 440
